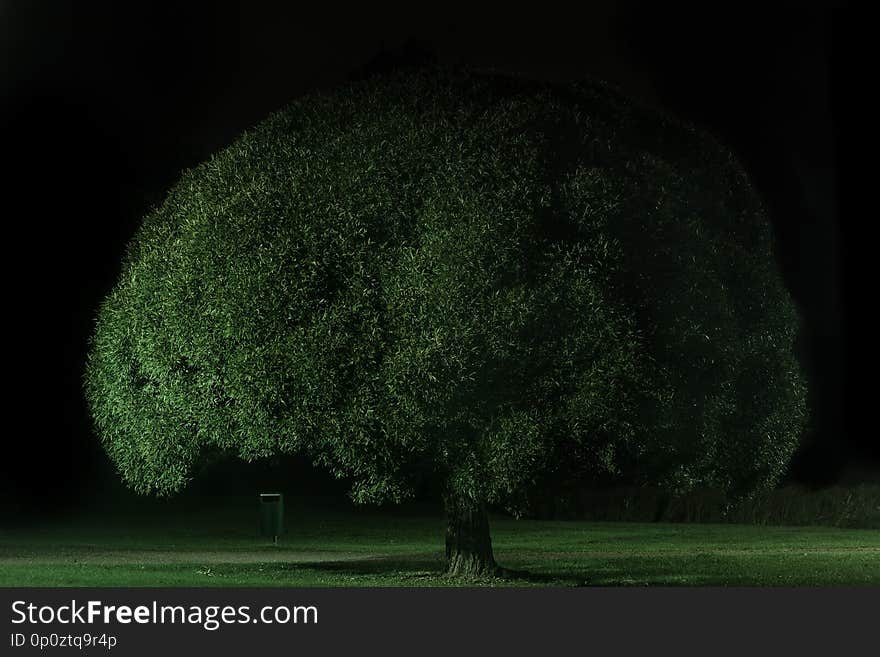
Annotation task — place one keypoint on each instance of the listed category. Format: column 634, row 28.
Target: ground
column 173, row 545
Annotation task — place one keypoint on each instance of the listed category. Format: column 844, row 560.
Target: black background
column 104, row 104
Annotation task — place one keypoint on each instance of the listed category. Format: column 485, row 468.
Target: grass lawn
column 174, row 546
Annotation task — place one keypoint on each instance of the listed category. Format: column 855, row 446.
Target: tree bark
column 468, row 543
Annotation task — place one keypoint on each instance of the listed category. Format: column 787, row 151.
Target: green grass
column 193, row 547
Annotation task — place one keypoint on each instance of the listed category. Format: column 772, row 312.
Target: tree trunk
column 468, row 544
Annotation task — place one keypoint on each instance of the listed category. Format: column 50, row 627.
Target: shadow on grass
column 433, row 568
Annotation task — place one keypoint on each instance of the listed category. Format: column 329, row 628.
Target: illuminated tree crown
column 484, row 278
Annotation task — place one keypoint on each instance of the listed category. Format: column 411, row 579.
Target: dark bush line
column 839, row 506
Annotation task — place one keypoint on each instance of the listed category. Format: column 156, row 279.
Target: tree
column 480, row 277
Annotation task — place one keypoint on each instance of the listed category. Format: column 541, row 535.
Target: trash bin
column 271, row 515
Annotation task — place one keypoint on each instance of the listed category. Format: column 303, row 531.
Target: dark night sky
column 103, row 105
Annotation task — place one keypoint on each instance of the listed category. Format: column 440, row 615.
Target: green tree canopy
column 480, row 277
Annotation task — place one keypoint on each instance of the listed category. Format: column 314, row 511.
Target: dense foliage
column 483, row 278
